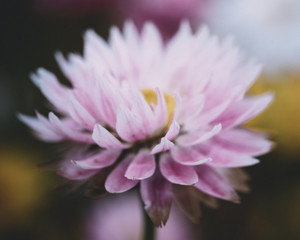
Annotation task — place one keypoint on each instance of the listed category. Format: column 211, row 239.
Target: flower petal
column 142, row 166
column 105, row 139
column 142, row 110
column 157, row 196
column 65, row 128
column 163, row 146
column 80, row 114
column 222, row 157
column 188, row 200
column 213, row 183
column 97, row 51
column 175, row 172
column 160, row 110
column 116, row 182
column 108, row 96
column 129, row 126
column 41, row 128
column 51, row 88
column 188, row 156
column 99, row 160
column 244, row 141
column 238, row 179
column 244, row 110
column 199, row 136
column 173, row 130
column 205, row 117
column 70, row 171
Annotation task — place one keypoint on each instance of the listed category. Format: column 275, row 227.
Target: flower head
column 165, row 116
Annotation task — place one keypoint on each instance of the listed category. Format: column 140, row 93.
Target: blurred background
column 35, row 205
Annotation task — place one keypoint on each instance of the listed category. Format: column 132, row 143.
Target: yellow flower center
column 151, row 97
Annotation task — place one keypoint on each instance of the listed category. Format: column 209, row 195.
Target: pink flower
column 113, row 213
column 165, row 116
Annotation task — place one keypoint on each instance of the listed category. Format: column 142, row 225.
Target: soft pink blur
column 121, row 218
column 165, row 14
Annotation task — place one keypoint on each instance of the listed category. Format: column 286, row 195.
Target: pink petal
column 70, row 171
column 108, row 95
column 188, row 156
column 51, row 88
column 142, row 110
column 160, row 110
column 175, row 172
column 194, row 109
column 142, row 166
column 213, row 183
column 178, row 107
column 199, row 136
column 129, row 126
column 80, row 114
column 163, row 146
column 98, row 52
column 157, row 196
column 223, row 157
column 173, row 130
column 87, row 102
column 105, row 139
column 244, row 141
column 116, row 182
column 244, row 110
column 131, row 34
column 78, row 71
column 151, row 41
column 64, row 128
column 120, row 50
column 205, row 117
column 41, row 128
column 100, row 160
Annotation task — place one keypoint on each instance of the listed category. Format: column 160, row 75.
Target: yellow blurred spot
column 283, row 116
column 151, row 97
column 22, row 185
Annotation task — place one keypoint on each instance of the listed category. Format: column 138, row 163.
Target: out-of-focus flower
column 166, row 14
column 22, row 185
column 167, row 116
column 283, row 116
column 113, row 213
column 267, row 29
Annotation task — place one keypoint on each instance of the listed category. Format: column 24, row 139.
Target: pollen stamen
column 151, row 97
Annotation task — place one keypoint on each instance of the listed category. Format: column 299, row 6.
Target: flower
column 113, row 213
column 267, row 30
column 165, row 116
